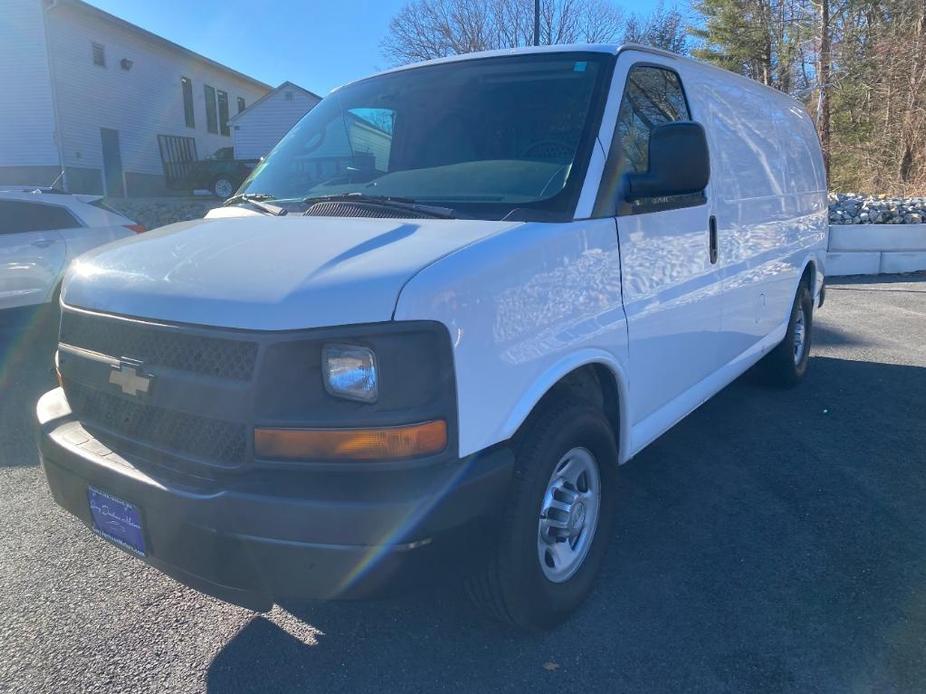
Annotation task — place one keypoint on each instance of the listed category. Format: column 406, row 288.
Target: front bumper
column 256, row 537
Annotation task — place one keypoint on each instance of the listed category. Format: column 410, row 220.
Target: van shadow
column 773, row 541
column 918, row 279
column 830, row 336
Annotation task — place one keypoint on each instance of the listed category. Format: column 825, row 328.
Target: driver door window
column 652, row 96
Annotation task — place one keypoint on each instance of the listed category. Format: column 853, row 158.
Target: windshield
column 482, row 136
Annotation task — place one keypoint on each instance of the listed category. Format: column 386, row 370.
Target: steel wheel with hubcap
column 800, row 334
column 786, row 364
column 569, row 515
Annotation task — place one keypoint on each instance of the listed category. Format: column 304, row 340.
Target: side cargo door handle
column 43, row 243
column 712, row 242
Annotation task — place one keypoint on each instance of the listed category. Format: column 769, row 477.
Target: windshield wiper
column 385, row 201
column 255, row 200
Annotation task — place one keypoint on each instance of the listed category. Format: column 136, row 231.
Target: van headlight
column 349, row 371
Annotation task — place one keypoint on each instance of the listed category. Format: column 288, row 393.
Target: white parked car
column 445, row 309
column 41, row 231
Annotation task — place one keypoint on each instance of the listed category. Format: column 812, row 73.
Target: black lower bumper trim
column 252, row 548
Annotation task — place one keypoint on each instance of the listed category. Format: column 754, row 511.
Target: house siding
column 257, row 130
column 27, row 118
column 140, row 103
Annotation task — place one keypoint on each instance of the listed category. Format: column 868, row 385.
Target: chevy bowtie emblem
column 128, row 376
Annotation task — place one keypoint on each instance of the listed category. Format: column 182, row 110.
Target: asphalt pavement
column 774, row 541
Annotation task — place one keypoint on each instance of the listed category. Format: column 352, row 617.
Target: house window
column 188, row 113
column 223, row 113
column 212, row 122
column 99, row 54
column 288, row 96
column 241, row 104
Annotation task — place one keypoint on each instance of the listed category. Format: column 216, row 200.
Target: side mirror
column 679, row 163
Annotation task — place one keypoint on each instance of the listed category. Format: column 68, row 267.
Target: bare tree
column 661, row 28
column 425, row 29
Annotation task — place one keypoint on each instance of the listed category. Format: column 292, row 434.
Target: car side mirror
column 679, row 163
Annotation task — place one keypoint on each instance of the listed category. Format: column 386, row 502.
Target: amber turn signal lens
column 387, row 443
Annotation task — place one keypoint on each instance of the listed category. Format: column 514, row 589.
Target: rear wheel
column 558, row 521
column 223, row 187
column 787, row 363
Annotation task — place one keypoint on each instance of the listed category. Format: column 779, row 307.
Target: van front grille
column 160, row 345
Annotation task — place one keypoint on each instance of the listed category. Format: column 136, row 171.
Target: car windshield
column 483, row 136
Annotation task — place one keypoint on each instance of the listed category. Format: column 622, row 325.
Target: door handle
column 712, row 242
column 43, row 243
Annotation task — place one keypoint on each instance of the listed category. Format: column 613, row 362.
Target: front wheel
column 558, row 521
column 787, row 363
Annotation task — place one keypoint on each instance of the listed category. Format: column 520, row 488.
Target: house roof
column 105, row 16
column 277, row 90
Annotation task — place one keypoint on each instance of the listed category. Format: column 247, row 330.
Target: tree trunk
column 824, row 70
column 911, row 120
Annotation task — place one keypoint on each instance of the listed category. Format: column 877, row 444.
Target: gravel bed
column 157, row 212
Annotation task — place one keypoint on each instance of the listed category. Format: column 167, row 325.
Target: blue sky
column 318, row 44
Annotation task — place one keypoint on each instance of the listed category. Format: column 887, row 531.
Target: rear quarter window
column 21, row 216
column 100, row 205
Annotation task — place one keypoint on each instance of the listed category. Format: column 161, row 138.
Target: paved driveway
column 773, row 541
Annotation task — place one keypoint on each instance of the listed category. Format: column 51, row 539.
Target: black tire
column 781, row 367
column 512, row 587
column 222, row 185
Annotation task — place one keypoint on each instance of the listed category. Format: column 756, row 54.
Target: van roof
column 608, row 48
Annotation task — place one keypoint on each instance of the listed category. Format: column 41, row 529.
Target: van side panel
column 769, row 197
column 523, row 308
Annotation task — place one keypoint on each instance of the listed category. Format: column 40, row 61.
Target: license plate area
column 117, row 520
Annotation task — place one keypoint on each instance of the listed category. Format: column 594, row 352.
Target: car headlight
column 349, row 371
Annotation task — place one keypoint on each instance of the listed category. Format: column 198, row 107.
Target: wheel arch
column 582, row 371
column 809, row 273
column 812, row 276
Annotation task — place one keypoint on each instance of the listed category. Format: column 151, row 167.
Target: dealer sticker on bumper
column 117, row 520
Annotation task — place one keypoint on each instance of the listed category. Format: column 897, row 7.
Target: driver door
column 672, row 286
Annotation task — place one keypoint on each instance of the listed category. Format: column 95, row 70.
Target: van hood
column 266, row 273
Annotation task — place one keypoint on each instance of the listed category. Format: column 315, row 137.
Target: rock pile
column 852, row 208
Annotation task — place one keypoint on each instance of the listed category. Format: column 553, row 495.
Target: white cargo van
column 433, row 322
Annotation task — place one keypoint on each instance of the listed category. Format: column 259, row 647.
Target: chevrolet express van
column 432, row 324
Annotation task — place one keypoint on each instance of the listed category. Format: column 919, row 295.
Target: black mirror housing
column 679, row 163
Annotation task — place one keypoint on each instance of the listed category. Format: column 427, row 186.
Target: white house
column 262, row 124
column 115, row 107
